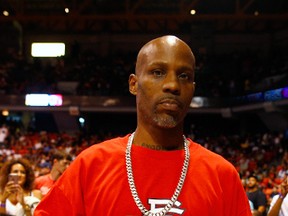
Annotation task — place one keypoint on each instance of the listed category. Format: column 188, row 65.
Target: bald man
column 156, row 170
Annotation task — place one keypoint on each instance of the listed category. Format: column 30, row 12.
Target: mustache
column 171, row 99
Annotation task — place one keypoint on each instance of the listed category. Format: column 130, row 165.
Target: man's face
column 62, row 165
column 165, row 83
column 252, row 182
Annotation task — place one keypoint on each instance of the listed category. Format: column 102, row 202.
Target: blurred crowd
column 230, row 74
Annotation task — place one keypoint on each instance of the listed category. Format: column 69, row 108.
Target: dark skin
column 274, row 211
column 164, row 86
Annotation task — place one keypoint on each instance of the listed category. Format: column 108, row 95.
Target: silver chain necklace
column 133, row 187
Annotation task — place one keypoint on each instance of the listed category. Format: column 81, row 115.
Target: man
column 60, row 161
column 156, row 170
column 256, row 196
column 279, row 203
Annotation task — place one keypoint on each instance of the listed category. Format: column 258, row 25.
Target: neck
column 252, row 189
column 55, row 174
column 159, row 139
column 158, row 147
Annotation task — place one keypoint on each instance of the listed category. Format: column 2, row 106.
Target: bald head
column 167, row 43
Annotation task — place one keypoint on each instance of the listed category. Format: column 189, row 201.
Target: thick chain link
column 132, row 185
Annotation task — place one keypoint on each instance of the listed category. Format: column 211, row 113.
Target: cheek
column 145, row 93
column 188, row 95
column 145, row 105
column 22, row 178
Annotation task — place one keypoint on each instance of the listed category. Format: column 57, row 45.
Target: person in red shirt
column 61, row 161
column 155, row 170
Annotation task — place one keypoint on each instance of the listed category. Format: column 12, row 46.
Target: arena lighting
column 43, row 100
column 285, row 92
column 5, row 13
column 273, row 95
column 5, row 113
column 47, row 49
column 198, row 102
column 192, row 12
column 270, row 95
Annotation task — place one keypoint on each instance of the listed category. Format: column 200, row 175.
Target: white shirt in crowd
column 284, row 206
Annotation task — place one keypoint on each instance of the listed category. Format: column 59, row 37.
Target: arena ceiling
column 146, row 16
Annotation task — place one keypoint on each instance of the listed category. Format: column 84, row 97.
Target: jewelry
column 27, row 207
column 133, row 186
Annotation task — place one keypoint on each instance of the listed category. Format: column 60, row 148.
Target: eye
column 158, row 73
column 185, row 76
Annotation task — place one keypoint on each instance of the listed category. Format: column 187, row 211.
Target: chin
column 167, row 121
column 167, row 124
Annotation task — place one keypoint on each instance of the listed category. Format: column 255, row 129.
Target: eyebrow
column 164, row 64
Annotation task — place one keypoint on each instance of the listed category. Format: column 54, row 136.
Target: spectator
column 279, row 203
column 256, row 196
column 18, row 197
column 61, row 161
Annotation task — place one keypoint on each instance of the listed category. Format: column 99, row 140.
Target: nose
column 171, row 84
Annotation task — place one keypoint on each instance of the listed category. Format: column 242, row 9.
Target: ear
column 133, row 84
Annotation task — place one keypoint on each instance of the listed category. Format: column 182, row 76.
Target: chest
column 155, row 186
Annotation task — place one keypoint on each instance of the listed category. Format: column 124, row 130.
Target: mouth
column 170, row 104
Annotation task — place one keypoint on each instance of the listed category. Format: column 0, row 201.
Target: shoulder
column 37, row 193
column 203, row 154
column 211, row 161
column 261, row 193
column 41, row 178
column 34, row 196
column 107, row 147
column 101, row 153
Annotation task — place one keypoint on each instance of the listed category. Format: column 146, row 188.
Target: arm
column 275, row 209
column 4, row 195
column 37, row 193
column 259, row 211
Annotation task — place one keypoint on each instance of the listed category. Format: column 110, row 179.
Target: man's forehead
column 167, row 41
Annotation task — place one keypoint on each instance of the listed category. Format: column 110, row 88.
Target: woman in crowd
column 17, row 196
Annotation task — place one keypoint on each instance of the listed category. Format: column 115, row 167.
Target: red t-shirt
column 96, row 183
column 44, row 183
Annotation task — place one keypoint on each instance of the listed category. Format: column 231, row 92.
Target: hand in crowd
column 10, row 188
column 284, row 187
column 13, row 189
